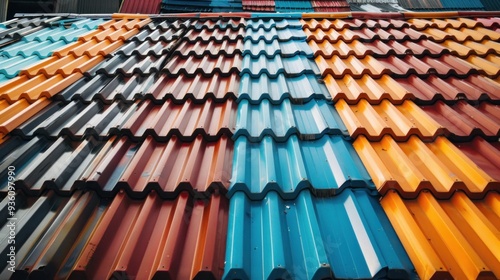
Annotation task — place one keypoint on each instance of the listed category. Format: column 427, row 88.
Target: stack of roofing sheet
column 397, row 86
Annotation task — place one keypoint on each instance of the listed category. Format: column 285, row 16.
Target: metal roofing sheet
column 491, row 5
column 274, row 34
column 258, row 5
column 270, row 23
column 299, row 89
column 293, row 6
column 201, row 49
column 216, row 35
column 197, row 89
column 455, row 238
column 41, row 49
column 355, row 23
column 421, row 5
column 376, row 7
column 141, row 7
column 290, row 66
column 412, row 166
column 206, row 66
column 198, row 166
column 308, row 121
column 283, row 48
column 485, row 154
column 465, row 121
column 44, row 164
column 128, row 65
column 51, row 231
column 346, row 236
column 325, row 166
column 156, row 238
column 462, row 4
column 399, row 121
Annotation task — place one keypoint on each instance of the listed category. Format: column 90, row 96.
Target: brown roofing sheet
column 199, row 166
column 354, row 23
column 448, row 239
column 431, row 88
column 485, row 154
column 155, row 238
column 412, row 166
column 207, row 66
column 197, row 88
column 376, row 121
column 186, row 121
column 465, row 121
column 365, row 35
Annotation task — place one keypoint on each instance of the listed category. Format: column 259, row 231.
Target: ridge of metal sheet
column 51, row 232
column 154, row 238
column 414, row 166
column 301, row 89
column 199, row 167
column 326, row 166
column 46, row 164
column 455, row 238
column 465, row 121
column 290, row 66
column 342, row 237
column 399, row 121
column 308, row 121
column 206, row 66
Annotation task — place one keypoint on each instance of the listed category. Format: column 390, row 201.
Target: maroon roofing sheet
column 465, row 121
column 330, row 6
column 198, row 166
column 206, row 66
column 258, row 5
column 485, row 154
column 141, row 6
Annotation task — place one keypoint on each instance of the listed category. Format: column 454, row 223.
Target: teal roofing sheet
column 293, row 6
column 309, row 121
column 325, row 166
column 347, row 236
column 462, row 4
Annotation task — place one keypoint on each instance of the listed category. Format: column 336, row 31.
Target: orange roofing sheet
column 376, row 121
column 413, row 166
column 445, row 239
column 18, row 112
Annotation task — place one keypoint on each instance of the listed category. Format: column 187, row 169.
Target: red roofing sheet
column 141, row 6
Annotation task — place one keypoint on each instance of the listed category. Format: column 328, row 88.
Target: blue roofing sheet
column 491, row 5
column 462, row 4
column 309, row 121
column 326, row 166
column 268, row 24
column 291, row 66
column 11, row 66
column 56, row 34
column 289, row 48
column 293, row 6
column 343, row 237
column 42, row 49
column 298, row 89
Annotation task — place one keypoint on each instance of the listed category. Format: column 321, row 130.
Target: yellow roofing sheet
column 456, row 238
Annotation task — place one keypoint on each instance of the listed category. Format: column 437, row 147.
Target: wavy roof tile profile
column 414, row 166
column 308, row 121
column 325, row 166
column 454, row 238
column 312, row 238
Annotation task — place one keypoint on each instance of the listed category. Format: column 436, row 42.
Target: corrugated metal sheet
column 141, row 7
column 455, row 238
column 485, row 154
column 462, row 4
column 413, row 166
column 491, row 5
column 83, row 236
column 325, row 166
column 376, row 121
column 273, row 67
column 421, row 5
column 465, row 121
column 97, row 6
column 286, row 6
column 308, row 121
column 258, row 5
column 301, row 89
column 330, row 6
column 347, row 237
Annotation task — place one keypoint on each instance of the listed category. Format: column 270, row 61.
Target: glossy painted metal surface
column 485, row 154
column 325, row 166
column 455, row 238
column 301, row 89
column 413, row 166
column 51, row 232
column 308, row 121
column 346, row 237
column 141, row 7
column 155, row 238
column 198, row 166
column 376, row 121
